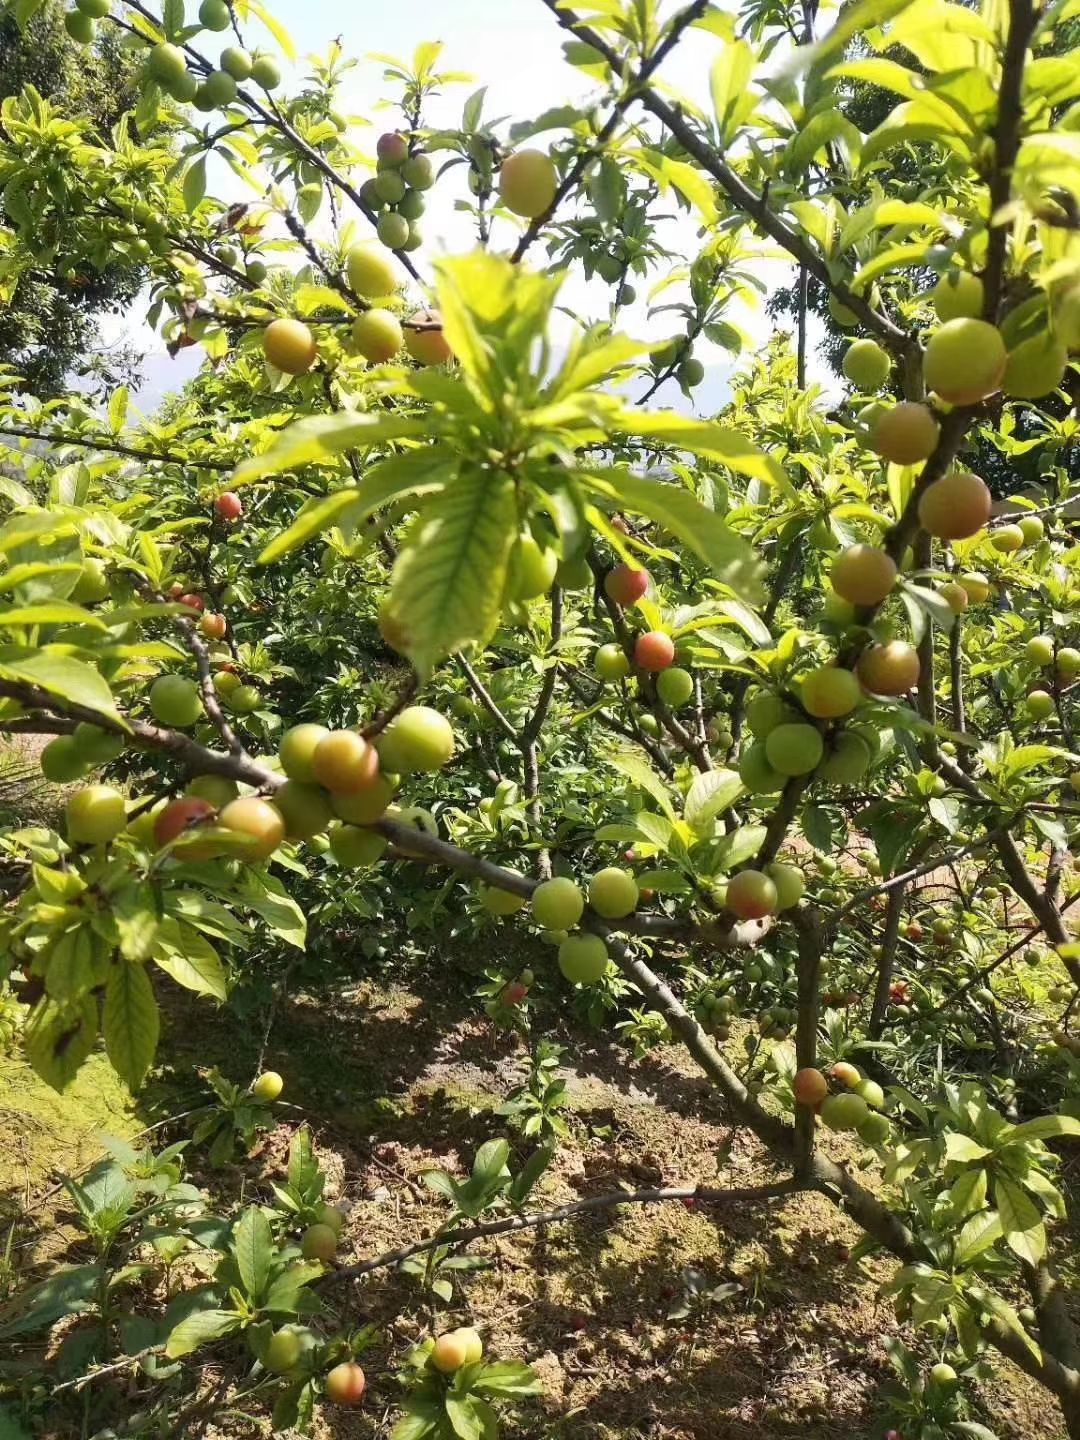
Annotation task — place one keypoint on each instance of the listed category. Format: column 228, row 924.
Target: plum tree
column 533, row 568
column 844, row 1112
column 282, row 1351
column 364, row 807
column 613, row 893
column 425, row 340
column 174, row 700
column 378, row 336
column 848, row 759
column 759, row 777
column 976, row 585
column 958, row 294
column 258, row 822
column 319, row 1242
column 306, row 809
column 965, row 360
column 675, row 686
column 1040, row 650
column 583, row 959
column 342, row 760
column 229, row 506
column 501, row 902
column 371, row 272
column 794, row 749
column 610, row 663
column 863, row 574
column 62, row 760
column 297, row 751
column 1007, row 539
column 450, row 1352
column 810, row 1087
column 181, row 816
column 790, row 883
column 1032, row 528
column 527, row 182
column 289, row 346
column 1035, row 367
column 356, row 848
column 1040, row 704
column 557, row 904
column 830, row 692
column 955, row 507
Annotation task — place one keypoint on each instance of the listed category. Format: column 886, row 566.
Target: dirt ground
column 395, row 1083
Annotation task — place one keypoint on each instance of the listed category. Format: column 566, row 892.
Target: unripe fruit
column 766, row 711
column 654, row 651
column 829, row 692
column 237, row 63
column 843, row 1112
column 1040, row 704
column 62, row 761
column 532, row 568
column 610, row 663
column 848, row 761
column 474, row 1346
column 965, row 361
column 393, row 230
column 214, row 14
column 1035, row 368
column 419, row 172
column 955, row 507
column 527, row 183
column 557, row 904
column 756, row 773
column 289, row 346
column 872, row 1093
column 92, row 583
column 392, row 148
column 243, row 699
column 345, row 1384
column 874, row 1130
column 675, row 686
column 1032, row 529
column 497, row 901
column 344, row 762
column 364, row 807
column 790, row 883
column 450, row 1352
column 906, row 434
column 625, row 585
column 297, row 751
column 794, row 749
column 282, row 1351
column 957, row 294
column 175, row 701
column 1007, row 539
column 844, row 1073
column 95, row 815
column 332, row 1216
column 574, row 573
column 306, row 809
column 751, row 895
column 81, row 27
column 1040, row 650
column 863, row 574
column 890, row 669
column 268, row 1086
column 389, row 186
column 842, row 314
column 265, row 72
column 942, row 1375
column 583, row 959
column 229, row 506
column 371, row 273
column 955, row 596
column 179, row 816
column 691, row 372
column 613, row 893
column 166, row 64
column 258, row 820
column 218, row 89
column 97, row 746
column 226, row 682
column 424, row 338
column 355, row 848
column 419, row 739
column 377, row 335
column 867, row 365
column 318, row 1242
column 976, row 585
column 810, row 1086
column 1068, row 662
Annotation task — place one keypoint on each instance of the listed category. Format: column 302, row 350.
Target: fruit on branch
column 1040, row 650
column 1032, row 528
column 955, row 507
column 1068, row 663
column 574, row 573
column 844, row 1073
column 965, row 361
column 95, row 745
column 166, row 64
column 474, row 1346
column 1036, row 367
column 175, row 701
column 1040, row 704
column 450, row 1352
column 863, row 574
column 355, row 848
column 95, row 815
column 889, row 669
column 942, row 1376
column 848, row 760
column 389, row 187
column 871, row 1092
column 259, row 821
column 183, row 815
column 866, row 364
column 392, row 148
column 237, row 63
column 842, row 314
column 654, row 651
column 766, row 711
column 265, row 72
column 242, row 699
column 527, row 182
column 214, row 626
column 625, row 585
column 345, row 1384
column 905, row 434
column 332, row 1216
column 318, row 1242
column 214, row 14
column 557, row 904
column 794, row 749
column 62, row 761
column 425, row 340
column 790, row 883
column 216, row 91
column 364, row 807
column 229, row 506
column 976, row 585
column 610, row 663
column 289, row 346
column 306, row 809
column 297, row 751
column 874, row 1130
column 1007, row 539
column 419, row 172
column 80, row 27
column 810, row 1086
column 393, row 230
column 829, row 692
column 268, row 1086
column 751, row 895
column 955, row 596
column 377, row 335
column 497, row 901
column 583, row 959
column 613, row 893
column 371, row 273
column 282, row 1351
column 675, row 686
column 843, row 1112
column 532, row 568
column 344, row 762
column 756, row 773
column 218, row 789
column 419, row 739
column 958, row 294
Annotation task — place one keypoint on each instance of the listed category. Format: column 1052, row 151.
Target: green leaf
column 58, row 1038
column 67, row 1291
column 709, row 796
column 508, row 1380
column 130, row 1021
column 639, row 772
column 67, row 679
column 290, row 1287
column 729, row 557
column 1025, row 1233
column 729, row 82
column 819, row 132
column 136, row 921
column 490, row 1162
column 320, row 439
column 253, row 1246
column 856, row 19
column 962, row 1148
column 199, row 1329
column 706, row 438
column 421, row 1418
column 195, row 184
column 738, row 847
column 448, row 583
column 977, row 1235
column 1045, row 1127
column 266, row 895
column 49, row 612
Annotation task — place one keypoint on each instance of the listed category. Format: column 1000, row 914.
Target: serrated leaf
column 977, row 1234
column 253, row 1246
column 639, row 772
column 194, row 188
column 199, row 1329
column 709, row 796
column 188, row 958
column 60, row 675
column 58, row 1038
column 1021, row 1223
column 130, row 1021
column 321, row 439
column 448, row 582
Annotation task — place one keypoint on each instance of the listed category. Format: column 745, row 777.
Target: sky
column 514, row 48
